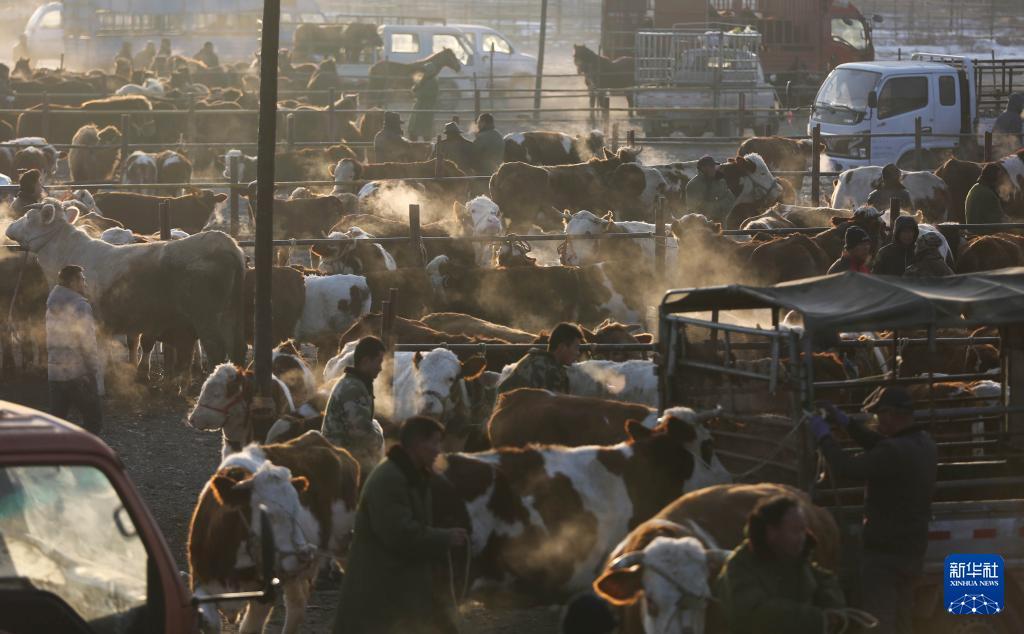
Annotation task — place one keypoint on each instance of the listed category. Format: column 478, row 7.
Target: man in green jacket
column 389, row 580
column 769, row 584
column 707, row 194
column 983, row 205
column 348, row 421
column 489, row 145
column 545, row 369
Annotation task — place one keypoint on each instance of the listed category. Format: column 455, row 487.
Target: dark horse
column 388, row 75
column 604, row 74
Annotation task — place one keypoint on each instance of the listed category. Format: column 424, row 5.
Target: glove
column 819, row 427
column 833, row 413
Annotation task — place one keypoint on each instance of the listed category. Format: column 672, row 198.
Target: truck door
column 902, row 99
column 947, row 113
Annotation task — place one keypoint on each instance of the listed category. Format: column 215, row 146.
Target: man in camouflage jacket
column 545, row 369
column 349, row 421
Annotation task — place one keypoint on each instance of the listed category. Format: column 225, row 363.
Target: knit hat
column 928, row 242
column 28, row 182
column 706, row 160
column 854, row 236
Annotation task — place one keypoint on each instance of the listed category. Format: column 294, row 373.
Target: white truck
column 868, row 110
column 699, row 80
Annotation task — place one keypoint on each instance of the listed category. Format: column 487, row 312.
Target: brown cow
column 62, row 126
column 788, row 258
column 782, row 154
column 287, row 299
column 476, row 327
column 95, row 154
column 141, row 212
column 987, row 253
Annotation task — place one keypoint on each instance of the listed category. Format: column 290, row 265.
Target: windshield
column 851, row 32
column 847, row 89
column 64, row 530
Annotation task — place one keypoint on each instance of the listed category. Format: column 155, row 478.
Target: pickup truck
column 868, row 110
column 79, row 550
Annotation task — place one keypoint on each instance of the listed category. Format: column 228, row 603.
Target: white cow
column 333, row 303
column 929, row 193
column 480, row 217
column 577, row 252
column 426, row 384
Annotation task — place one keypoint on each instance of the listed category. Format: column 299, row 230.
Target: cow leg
column 296, row 595
column 256, row 616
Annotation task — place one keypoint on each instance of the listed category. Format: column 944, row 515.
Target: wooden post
column 262, row 341
column 289, row 123
column 330, row 116
column 390, row 317
column 631, row 138
column 233, row 196
column 659, row 239
column 894, row 213
column 385, row 323
column 538, row 81
column 816, row 166
column 415, row 236
column 741, row 119
column 476, row 99
column 165, row 219
column 917, row 143
column 987, row 156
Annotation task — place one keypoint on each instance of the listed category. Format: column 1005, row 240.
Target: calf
column 289, row 366
column 94, row 154
column 309, row 490
column 435, row 384
column 753, row 185
column 928, row 192
column 544, row 518
column 141, row 212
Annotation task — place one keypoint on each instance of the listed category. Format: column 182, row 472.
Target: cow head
column 438, row 379
column 271, row 487
column 140, row 168
column 751, row 181
column 346, row 171
column 41, row 225
column 582, row 223
column 481, row 216
column 246, row 165
column 223, row 401
column 670, row 580
column 694, row 226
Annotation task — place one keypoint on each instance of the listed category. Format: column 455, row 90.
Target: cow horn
column 705, row 416
column 628, row 560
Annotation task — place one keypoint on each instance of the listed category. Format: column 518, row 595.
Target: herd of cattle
column 601, row 493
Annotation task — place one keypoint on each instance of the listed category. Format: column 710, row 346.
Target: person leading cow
column 348, row 421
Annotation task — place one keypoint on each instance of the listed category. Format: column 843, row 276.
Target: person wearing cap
column 928, row 260
column 489, row 145
column 389, row 144
column 898, row 464
column 426, row 91
column 856, row 251
column 982, row 206
column 895, row 257
column 456, row 148
column 888, row 187
column 707, row 193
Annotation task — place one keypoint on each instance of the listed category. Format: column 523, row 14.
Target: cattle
column 312, row 123
column 305, row 217
column 435, row 384
column 551, row 148
column 928, row 192
column 529, row 195
column 543, row 518
column 140, row 169
column 287, row 302
column 783, row 215
column 333, row 303
column 475, row 327
column 633, row 381
column 676, row 176
column 661, row 574
column 405, row 254
column 479, row 217
column 753, row 185
column 709, row 257
column 141, row 212
column 531, row 416
column 288, row 365
column 986, row 253
column 960, row 176
column 289, row 165
column 309, row 490
column 100, row 112
column 349, row 170
column 782, row 154
column 355, row 255
column 577, row 252
column 25, row 153
column 94, row 154
column 194, row 282
column 173, row 167
column 788, row 258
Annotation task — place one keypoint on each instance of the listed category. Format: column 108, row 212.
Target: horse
column 605, row 74
column 389, row 75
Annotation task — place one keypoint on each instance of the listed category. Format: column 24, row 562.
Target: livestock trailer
column 765, row 354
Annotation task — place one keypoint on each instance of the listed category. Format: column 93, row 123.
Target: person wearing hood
column 856, row 251
column 73, row 366
column 890, row 186
column 30, row 191
column 208, row 55
column 389, row 144
column 489, row 145
column 456, row 148
column 982, row 205
column 426, row 92
column 928, row 260
column 770, row 584
column 895, row 257
column 1006, row 131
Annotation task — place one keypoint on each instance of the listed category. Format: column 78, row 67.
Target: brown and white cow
column 544, row 518
column 782, row 154
column 782, row 215
column 552, row 148
column 141, row 212
column 928, row 192
column 661, row 574
column 309, row 489
column 753, row 185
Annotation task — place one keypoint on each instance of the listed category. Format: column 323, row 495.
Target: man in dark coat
column 1006, row 131
column 456, row 148
column 770, row 584
column 856, row 251
column 928, row 260
column 891, row 186
column 489, row 145
column 899, row 465
column 208, row 55
column 982, row 205
column 895, row 257
column 389, row 144
column 545, row 369
column 388, row 584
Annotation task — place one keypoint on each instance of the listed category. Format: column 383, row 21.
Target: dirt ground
column 169, row 462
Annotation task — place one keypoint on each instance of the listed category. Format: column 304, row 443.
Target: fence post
column 659, row 239
column 816, row 165
column 615, row 137
column 385, row 319
column 289, row 122
column 233, row 173
column 125, row 124
column 414, row 234
column 330, row 116
column 917, row 143
column 46, row 115
column 987, row 156
column 165, row 219
column 894, row 213
column 630, row 138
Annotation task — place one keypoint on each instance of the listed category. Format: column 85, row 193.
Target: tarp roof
column 855, row 301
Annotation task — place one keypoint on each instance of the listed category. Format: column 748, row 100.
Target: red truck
column 803, row 40
column 79, row 549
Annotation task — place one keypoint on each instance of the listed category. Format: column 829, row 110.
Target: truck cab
column 44, row 32
column 867, row 113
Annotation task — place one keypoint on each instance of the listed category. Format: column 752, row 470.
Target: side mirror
column 268, row 557
column 872, row 99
